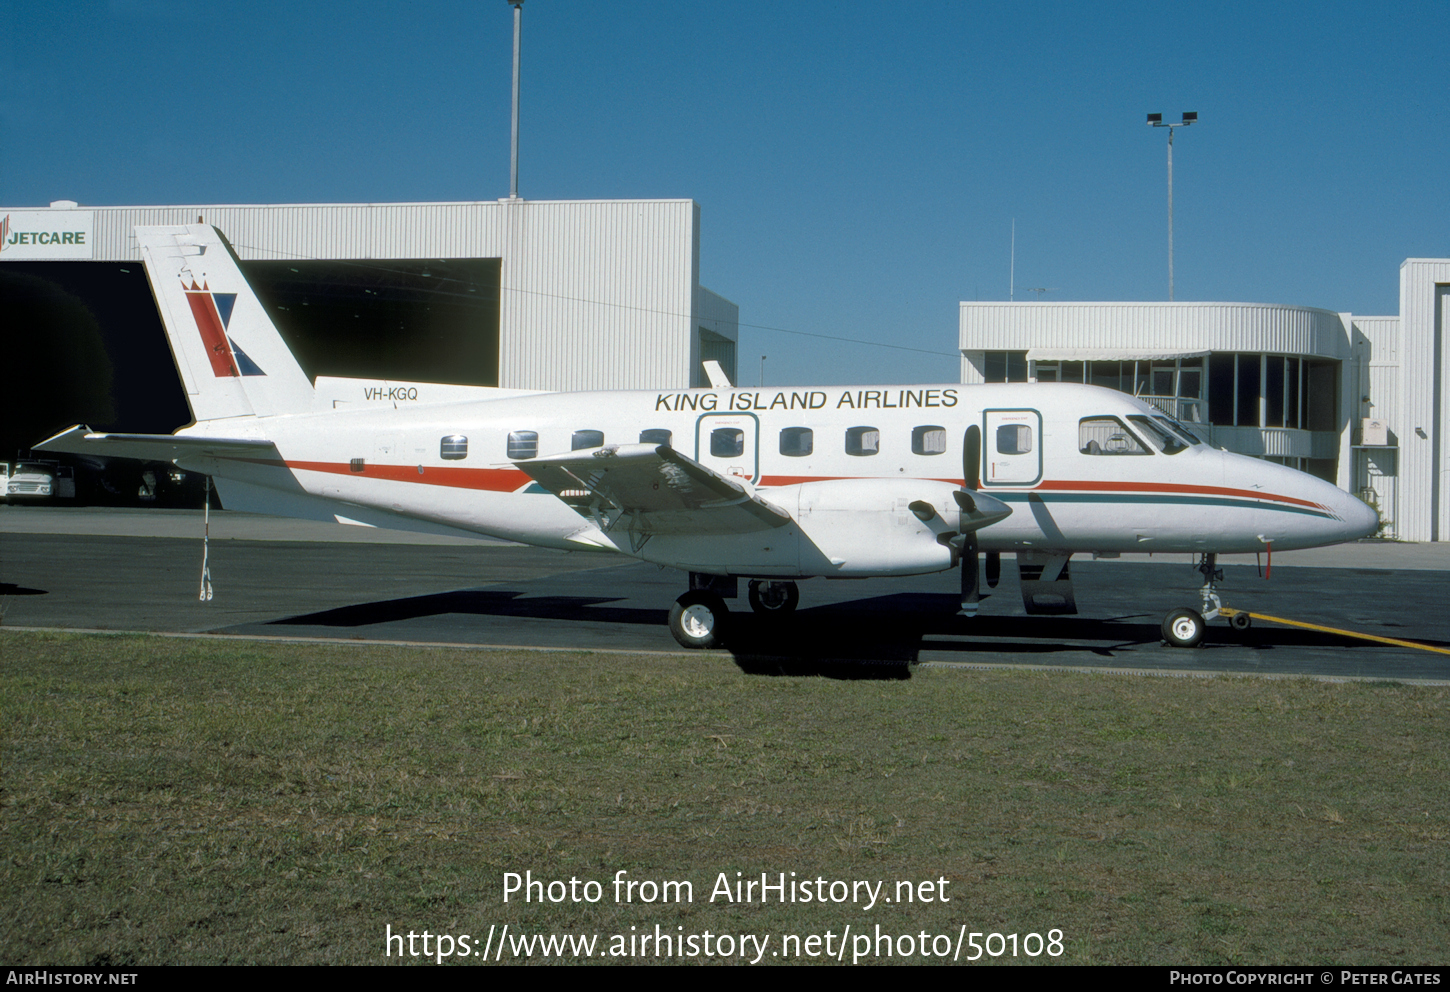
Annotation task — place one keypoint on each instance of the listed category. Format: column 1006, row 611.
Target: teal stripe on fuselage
column 1141, row 498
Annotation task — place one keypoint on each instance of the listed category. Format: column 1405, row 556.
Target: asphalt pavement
column 139, row 570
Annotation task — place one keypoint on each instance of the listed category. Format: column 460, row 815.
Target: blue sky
column 858, row 165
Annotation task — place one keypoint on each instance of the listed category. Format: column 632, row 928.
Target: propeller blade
column 971, row 575
column 972, row 458
column 972, row 517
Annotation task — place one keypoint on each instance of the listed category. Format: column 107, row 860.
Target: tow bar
column 1243, row 624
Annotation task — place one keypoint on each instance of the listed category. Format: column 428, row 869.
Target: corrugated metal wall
column 1376, row 342
column 597, row 294
column 1424, row 460
column 1156, row 327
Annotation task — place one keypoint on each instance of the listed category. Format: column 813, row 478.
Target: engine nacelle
column 872, row 526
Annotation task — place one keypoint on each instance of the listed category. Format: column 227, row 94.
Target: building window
column 655, row 435
column 797, row 442
column 1248, row 390
column 863, row 440
column 1005, row 366
column 523, row 444
column 727, row 442
column 453, row 448
column 929, row 440
column 586, row 439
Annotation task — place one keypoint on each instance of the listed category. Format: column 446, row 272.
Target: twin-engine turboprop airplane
column 772, row 485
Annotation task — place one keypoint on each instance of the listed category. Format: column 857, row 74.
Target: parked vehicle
column 30, row 480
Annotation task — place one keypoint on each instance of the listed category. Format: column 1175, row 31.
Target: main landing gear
column 700, row 618
column 1184, row 628
column 773, row 598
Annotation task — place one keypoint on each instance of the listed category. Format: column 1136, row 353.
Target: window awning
column 1108, row 355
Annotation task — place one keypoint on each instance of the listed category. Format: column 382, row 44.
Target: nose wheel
column 1184, row 628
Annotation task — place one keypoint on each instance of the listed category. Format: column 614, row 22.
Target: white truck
column 31, row 480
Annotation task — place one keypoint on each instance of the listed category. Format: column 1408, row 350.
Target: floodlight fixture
column 1156, row 120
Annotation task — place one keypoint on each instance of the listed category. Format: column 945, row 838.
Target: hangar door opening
column 418, row 320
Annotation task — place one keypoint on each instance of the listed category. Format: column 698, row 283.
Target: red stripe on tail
column 209, row 323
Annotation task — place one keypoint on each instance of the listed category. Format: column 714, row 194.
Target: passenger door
column 729, row 443
column 1012, row 440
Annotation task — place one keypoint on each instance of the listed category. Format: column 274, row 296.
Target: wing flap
column 657, row 489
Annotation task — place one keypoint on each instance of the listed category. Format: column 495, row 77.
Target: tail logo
column 213, row 313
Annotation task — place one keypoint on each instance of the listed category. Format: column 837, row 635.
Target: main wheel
column 1184, row 628
column 773, row 597
column 698, row 619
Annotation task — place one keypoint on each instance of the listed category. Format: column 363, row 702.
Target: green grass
column 192, row 801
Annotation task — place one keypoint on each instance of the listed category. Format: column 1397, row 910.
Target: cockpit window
column 1159, row 437
column 1179, row 429
column 1107, row 436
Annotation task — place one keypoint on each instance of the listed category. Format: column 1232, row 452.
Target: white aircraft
column 773, row 485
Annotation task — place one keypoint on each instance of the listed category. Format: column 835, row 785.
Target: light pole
column 1156, row 120
column 518, row 6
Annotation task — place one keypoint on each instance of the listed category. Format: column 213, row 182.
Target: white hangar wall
column 594, row 294
column 1337, row 380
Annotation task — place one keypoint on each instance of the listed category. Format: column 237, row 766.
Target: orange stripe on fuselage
column 510, row 479
column 492, row 479
column 1172, row 487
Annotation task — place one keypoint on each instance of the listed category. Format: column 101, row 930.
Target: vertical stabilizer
column 232, row 360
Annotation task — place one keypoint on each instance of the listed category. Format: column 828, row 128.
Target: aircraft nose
column 1360, row 519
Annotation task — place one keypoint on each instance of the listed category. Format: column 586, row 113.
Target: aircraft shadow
column 477, row 602
column 877, row 637
column 11, row 589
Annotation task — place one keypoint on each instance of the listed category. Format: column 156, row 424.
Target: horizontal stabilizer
column 653, row 489
column 81, row 440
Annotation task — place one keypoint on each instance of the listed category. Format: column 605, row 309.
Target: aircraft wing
column 658, row 490
column 81, row 440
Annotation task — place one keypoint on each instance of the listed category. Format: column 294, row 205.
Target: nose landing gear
column 1184, row 628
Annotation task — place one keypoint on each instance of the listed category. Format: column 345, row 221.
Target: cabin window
column 655, row 435
column 523, row 444
column 727, row 442
column 929, row 440
column 1107, row 436
column 586, row 439
column 863, row 441
column 797, row 442
column 453, row 448
column 1014, row 439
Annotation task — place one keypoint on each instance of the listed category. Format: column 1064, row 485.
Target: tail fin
column 232, row 361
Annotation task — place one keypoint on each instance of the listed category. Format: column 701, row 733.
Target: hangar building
column 556, row 295
column 1355, row 400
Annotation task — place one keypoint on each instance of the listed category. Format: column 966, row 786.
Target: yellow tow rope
column 1230, row 612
